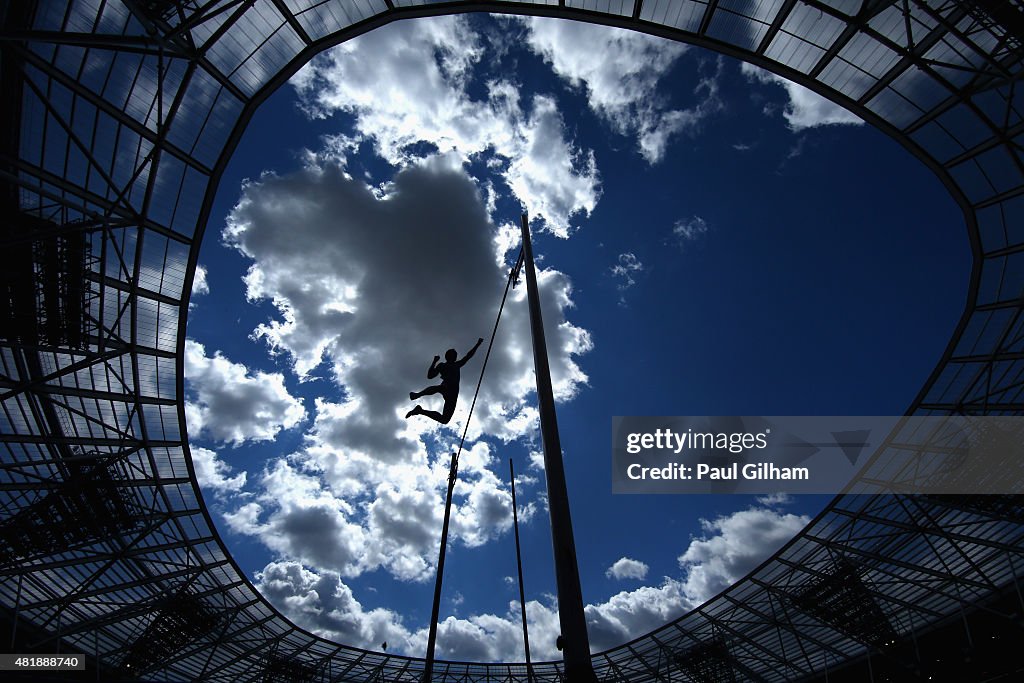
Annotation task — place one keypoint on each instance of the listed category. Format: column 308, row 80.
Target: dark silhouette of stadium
column 114, row 133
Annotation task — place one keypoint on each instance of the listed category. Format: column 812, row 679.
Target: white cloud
column 736, row 544
column 499, row 637
column 377, row 285
column 304, row 521
column 806, row 108
column 373, row 284
column 628, row 265
column 552, row 179
column 213, row 473
column 323, row 603
column 199, row 284
column 627, row 568
column 230, row 403
column 536, row 461
column 369, row 283
column 629, row 614
column 408, row 87
column 689, row 230
column 774, row 499
column 353, row 514
column 733, row 545
column 622, row 85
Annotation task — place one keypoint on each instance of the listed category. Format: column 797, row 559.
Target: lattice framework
column 128, row 113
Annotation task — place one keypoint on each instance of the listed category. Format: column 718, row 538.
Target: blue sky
column 712, row 241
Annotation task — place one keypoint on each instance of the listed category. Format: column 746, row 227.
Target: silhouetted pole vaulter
column 453, row 470
column 575, row 644
column 450, row 372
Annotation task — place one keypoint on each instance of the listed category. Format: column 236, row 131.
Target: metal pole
column 574, row 640
column 17, row 608
column 519, row 566
column 436, row 608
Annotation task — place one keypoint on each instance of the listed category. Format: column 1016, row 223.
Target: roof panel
column 919, row 88
column 685, row 15
column 320, row 18
column 869, row 55
column 622, row 8
column 813, row 26
column 1003, row 105
column 964, row 124
column 736, row 29
column 893, row 107
column 794, row 52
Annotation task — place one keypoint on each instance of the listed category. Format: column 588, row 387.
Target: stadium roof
column 119, row 117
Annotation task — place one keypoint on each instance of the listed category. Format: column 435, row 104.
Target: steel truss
column 119, row 118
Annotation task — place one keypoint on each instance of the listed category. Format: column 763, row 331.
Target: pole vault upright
column 574, row 640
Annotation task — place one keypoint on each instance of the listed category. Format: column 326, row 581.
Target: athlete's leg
column 432, row 414
column 413, row 395
column 449, row 409
column 444, row 417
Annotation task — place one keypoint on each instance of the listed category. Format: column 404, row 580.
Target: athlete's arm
column 470, row 353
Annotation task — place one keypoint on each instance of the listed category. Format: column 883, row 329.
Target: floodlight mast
column 575, row 643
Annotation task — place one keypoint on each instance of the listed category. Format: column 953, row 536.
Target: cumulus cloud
column 375, row 284
column 629, row 614
column 623, row 270
column 408, row 87
column 805, row 108
column 215, row 474
column 774, row 499
column 499, row 637
column 354, row 514
column 536, row 461
column 199, row 284
column 229, row 403
column 323, row 603
column 320, row 601
column 368, row 284
column 734, row 546
column 304, row 521
column 622, row 86
column 627, row 568
column 689, row 230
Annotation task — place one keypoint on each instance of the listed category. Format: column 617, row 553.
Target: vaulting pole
column 574, row 640
column 519, row 567
column 435, row 609
column 428, row 671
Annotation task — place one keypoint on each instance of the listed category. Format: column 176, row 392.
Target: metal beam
column 574, row 639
